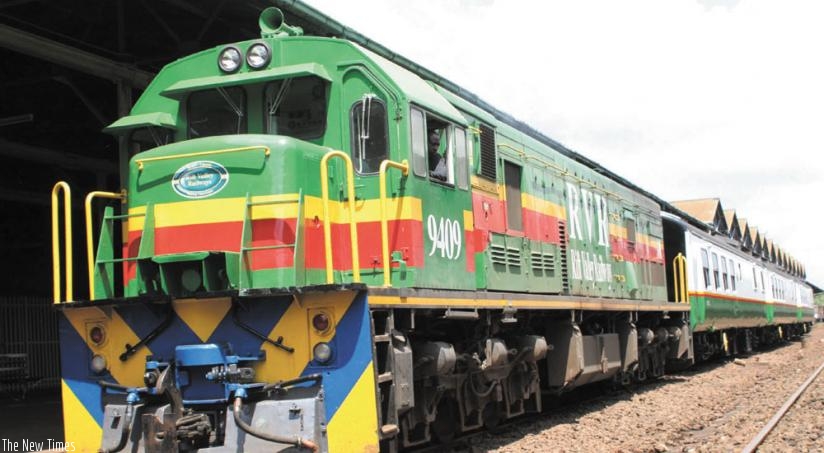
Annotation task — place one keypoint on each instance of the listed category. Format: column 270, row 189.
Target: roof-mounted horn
column 273, row 25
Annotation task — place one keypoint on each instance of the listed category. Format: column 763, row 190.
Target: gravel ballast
column 716, row 407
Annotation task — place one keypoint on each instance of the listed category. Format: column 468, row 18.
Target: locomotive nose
column 218, row 214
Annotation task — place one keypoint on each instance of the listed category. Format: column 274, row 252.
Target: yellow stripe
column 641, row 238
column 80, row 427
column 605, row 305
column 354, row 426
column 618, row 231
column 544, row 207
column 469, row 221
column 232, row 210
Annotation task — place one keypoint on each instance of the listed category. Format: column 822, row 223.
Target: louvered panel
column 513, row 256
column 488, row 162
column 543, row 262
column 497, row 254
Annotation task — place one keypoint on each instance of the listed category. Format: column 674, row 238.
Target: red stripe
column 540, row 227
column 404, row 236
column 489, row 213
column 636, row 252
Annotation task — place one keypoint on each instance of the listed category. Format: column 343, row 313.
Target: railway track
column 762, row 435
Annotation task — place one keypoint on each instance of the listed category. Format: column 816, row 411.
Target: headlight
column 229, row 59
column 98, row 364
column 322, row 352
column 258, row 55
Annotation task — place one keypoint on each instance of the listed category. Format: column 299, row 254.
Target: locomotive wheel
column 491, row 416
column 444, row 427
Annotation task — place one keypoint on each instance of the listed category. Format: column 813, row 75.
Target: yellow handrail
column 67, row 213
column 679, row 278
column 327, row 221
column 404, row 168
column 89, row 244
column 140, row 162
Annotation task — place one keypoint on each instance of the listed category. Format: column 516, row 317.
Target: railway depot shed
column 70, row 69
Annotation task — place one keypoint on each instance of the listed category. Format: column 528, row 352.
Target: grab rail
column 327, row 224
column 404, row 168
column 679, row 278
column 67, row 218
column 140, row 162
column 89, row 237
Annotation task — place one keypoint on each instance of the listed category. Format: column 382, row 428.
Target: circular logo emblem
column 200, row 179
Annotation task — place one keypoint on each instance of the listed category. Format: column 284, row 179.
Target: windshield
column 219, row 111
column 296, row 107
column 150, row 137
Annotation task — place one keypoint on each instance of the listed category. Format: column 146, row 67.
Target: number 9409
column 446, row 235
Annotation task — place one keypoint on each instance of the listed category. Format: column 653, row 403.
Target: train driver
column 437, row 162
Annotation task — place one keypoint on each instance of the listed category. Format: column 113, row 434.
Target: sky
column 686, row 98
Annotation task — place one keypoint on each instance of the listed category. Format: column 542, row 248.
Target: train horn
column 272, row 24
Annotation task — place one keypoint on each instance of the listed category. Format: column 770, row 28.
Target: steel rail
column 759, row 438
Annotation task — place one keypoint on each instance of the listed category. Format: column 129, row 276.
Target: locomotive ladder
column 327, row 219
column 247, row 236
column 104, row 265
column 383, row 324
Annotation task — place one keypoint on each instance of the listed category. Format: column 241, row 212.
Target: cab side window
column 437, row 147
column 370, row 145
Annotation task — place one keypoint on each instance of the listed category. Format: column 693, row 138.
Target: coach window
column 754, row 280
column 732, row 275
column 705, row 263
column 763, row 285
column 715, row 270
column 724, row 275
column 369, row 136
column 296, row 107
column 219, row 111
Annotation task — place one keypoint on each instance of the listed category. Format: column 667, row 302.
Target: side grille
column 488, row 163
column 543, row 262
column 507, row 256
column 564, row 261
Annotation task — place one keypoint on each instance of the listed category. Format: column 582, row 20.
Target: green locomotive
column 313, row 233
